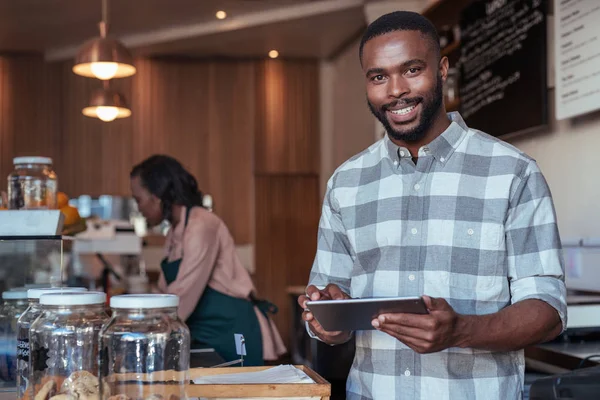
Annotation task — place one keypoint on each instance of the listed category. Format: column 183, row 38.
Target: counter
column 557, row 357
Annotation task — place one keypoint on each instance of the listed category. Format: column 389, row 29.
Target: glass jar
column 23, row 324
column 64, row 346
column 33, row 184
column 145, row 348
column 15, row 303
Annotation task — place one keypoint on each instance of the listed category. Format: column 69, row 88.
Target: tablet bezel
column 357, row 314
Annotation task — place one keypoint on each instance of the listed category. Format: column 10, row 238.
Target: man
column 438, row 210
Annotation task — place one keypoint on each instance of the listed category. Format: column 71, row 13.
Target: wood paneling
column 231, row 145
column 287, row 132
column 287, row 214
column 29, row 110
column 95, row 156
column 202, row 114
column 286, row 165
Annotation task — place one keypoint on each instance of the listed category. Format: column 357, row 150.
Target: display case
column 31, row 255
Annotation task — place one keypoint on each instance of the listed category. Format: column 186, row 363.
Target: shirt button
column 417, row 186
column 407, row 373
column 442, row 159
column 470, row 231
column 395, row 162
column 413, row 231
column 402, row 153
column 411, row 277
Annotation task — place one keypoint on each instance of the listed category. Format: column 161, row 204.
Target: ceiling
column 296, row 28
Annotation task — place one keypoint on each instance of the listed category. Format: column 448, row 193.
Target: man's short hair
column 401, row 21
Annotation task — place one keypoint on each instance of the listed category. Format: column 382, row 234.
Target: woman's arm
column 200, row 251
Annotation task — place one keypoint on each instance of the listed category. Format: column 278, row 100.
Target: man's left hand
column 427, row 333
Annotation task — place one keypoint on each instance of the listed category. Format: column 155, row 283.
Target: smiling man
column 443, row 211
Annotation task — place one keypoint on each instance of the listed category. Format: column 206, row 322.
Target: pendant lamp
column 104, row 57
column 107, row 105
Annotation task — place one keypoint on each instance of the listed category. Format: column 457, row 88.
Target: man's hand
column 331, row 292
column 440, row 329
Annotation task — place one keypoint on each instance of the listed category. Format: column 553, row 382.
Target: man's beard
column 431, row 106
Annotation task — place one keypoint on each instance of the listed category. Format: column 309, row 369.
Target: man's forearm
column 513, row 328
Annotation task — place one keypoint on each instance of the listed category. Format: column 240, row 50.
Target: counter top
column 563, row 356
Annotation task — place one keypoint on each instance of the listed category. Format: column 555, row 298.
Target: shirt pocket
column 471, row 254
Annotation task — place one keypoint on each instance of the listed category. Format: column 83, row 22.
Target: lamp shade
column 104, row 58
column 107, row 105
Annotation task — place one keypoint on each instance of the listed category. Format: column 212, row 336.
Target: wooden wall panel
column 202, row 114
column 30, row 115
column 231, row 145
column 287, row 134
column 171, row 113
column 94, row 155
column 287, row 214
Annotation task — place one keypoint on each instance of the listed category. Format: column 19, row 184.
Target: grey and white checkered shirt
column 473, row 222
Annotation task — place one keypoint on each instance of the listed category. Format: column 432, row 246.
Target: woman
column 201, row 265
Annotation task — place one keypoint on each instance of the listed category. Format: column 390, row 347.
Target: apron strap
column 187, row 215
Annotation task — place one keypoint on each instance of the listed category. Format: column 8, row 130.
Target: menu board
column 503, row 86
column 577, row 53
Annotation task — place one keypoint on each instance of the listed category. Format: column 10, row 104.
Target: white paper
column 240, row 344
column 577, row 54
column 280, row 374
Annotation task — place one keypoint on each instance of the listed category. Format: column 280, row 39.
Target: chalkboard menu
column 503, row 86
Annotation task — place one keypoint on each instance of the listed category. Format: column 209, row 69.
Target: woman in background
column 201, row 266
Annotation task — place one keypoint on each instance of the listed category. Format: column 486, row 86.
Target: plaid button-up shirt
column 472, row 222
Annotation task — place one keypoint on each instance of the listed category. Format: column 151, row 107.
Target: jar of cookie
column 23, row 324
column 145, row 349
column 64, row 346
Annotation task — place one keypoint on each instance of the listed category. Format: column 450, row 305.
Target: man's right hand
column 331, row 292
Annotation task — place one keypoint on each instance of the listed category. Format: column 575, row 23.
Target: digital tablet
column 357, row 314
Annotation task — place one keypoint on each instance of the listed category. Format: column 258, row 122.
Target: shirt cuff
column 547, row 289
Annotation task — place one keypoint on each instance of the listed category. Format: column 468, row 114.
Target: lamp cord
column 105, row 11
column 104, row 23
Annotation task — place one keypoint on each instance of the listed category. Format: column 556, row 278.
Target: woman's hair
column 165, row 177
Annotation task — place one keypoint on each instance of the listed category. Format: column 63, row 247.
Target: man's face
column 404, row 83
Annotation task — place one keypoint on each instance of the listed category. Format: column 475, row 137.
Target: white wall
column 567, row 153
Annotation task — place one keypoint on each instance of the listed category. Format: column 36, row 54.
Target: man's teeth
column 403, row 111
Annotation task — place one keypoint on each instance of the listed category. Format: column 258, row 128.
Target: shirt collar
column 441, row 148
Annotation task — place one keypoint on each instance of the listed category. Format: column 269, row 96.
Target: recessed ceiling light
column 221, row 15
column 273, row 54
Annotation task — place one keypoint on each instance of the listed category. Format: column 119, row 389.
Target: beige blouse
column 210, row 258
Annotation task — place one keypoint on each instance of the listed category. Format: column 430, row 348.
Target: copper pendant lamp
column 104, row 57
column 107, row 105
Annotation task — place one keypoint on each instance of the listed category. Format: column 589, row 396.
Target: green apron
column 217, row 317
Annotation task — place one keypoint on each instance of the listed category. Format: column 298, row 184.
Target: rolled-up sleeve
column 535, row 260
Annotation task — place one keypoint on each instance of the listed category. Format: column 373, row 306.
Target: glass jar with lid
column 15, row 303
column 33, row 184
column 145, row 349
column 23, row 324
column 63, row 343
